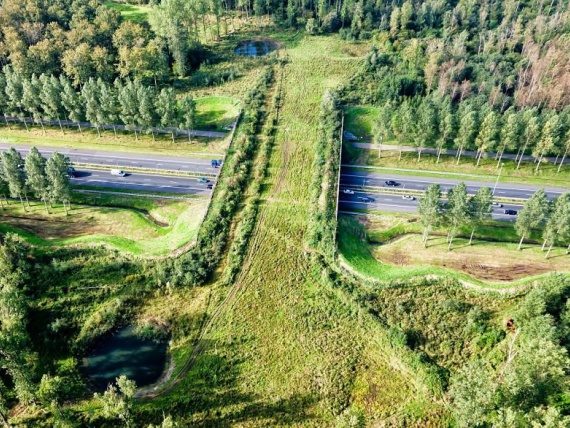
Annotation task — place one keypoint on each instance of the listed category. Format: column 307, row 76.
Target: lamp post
column 498, row 177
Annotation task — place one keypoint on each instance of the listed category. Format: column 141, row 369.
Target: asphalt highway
column 396, row 203
column 126, row 160
column 355, row 179
column 149, row 183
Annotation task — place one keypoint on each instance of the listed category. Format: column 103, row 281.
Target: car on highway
column 118, row 172
column 214, row 163
column 348, row 191
column 511, row 212
column 409, row 197
column 210, row 186
column 390, row 183
column 71, row 173
column 497, row 204
column 365, row 199
column 203, row 180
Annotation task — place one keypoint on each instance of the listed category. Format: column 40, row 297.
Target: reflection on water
column 125, row 354
column 255, row 47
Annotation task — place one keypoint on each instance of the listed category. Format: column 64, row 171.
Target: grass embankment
column 137, row 225
column 135, row 13
column 215, row 113
column 547, row 175
column 288, row 349
column 359, row 120
column 389, row 247
column 124, row 142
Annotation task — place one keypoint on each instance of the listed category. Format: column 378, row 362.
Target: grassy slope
column 492, row 264
column 289, row 349
column 358, row 120
column 122, row 228
column 216, row 112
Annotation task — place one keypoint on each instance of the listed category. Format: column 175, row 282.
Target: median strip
column 149, row 171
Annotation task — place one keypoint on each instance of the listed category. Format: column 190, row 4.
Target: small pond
column 255, row 47
column 124, row 353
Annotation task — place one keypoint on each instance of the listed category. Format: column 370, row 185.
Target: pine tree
column 36, row 178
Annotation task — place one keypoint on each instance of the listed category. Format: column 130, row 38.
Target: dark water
column 255, row 47
column 125, row 354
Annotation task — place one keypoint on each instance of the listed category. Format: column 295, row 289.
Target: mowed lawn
column 135, row 13
column 165, row 227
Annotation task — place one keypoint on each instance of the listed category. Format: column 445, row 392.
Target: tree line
column 46, row 180
column 462, row 210
column 128, row 103
column 436, row 122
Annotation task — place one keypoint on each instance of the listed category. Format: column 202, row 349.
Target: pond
column 255, row 47
column 124, row 353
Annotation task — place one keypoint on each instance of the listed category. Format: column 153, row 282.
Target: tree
column 427, row 126
column 71, row 102
column 91, row 97
column 50, row 97
column 531, row 130
column 4, row 99
column 548, row 139
column 566, row 146
column 57, row 170
column 128, row 100
column 510, row 134
column 165, row 107
column 447, row 126
column 13, row 172
column 77, row 63
column 117, row 400
column 108, row 105
column 146, row 117
column 429, row 210
column 487, row 137
column 382, row 126
column 36, row 178
column 466, row 132
column 557, row 229
column 481, row 208
column 457, row 210
column 534, row 211
column 31, row 99
column 15, row 92
column 186, row 113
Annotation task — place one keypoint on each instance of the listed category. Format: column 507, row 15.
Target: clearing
column 135, row 13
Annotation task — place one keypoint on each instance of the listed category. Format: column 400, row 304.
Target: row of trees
column 462, row 210
column 129, row 103
column 47, row 180
column 434, row 121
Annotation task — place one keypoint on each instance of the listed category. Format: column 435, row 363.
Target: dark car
column 214, row 163
column 511, row 212
column 71, row 173
column 203, row 180
column 390, row 183
column 366, row 199
column 209, row 186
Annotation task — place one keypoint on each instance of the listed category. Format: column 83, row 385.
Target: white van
column 118, row 172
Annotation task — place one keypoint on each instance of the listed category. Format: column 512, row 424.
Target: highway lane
column 352, row 178
column 126, row 160
column 395, row 203
column 149, row 183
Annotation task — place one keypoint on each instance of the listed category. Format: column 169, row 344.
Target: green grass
column 486, row 171
column 216, row 112
column 124, row 142
column 141, row 226
column 359, row 120
column 130, row 12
